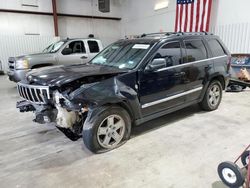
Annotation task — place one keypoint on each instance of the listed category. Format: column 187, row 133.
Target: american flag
column 192, row 15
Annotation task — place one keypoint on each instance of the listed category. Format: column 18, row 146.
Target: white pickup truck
column 63, row 52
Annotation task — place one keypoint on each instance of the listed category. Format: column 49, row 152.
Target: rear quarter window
column 195, row 50
column 216, row 48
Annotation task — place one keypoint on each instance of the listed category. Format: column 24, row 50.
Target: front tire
column 213, row 95
column 106, row 128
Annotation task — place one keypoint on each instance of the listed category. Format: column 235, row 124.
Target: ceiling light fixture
column 161, row 5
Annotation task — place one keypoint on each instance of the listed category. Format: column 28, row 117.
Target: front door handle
column 84, row 57
column 179, row 74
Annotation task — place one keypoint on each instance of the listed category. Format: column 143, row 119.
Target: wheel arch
column 125, row 106
column 221, row 79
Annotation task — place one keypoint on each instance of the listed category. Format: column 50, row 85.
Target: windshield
column 53, row 47
column 123, row 55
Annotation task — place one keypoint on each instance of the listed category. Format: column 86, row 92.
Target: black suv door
column 161, row 87
column 197, row 67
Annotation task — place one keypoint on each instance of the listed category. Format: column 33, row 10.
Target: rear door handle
column 208, row 67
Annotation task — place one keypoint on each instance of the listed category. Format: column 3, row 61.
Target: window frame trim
column 167, row 42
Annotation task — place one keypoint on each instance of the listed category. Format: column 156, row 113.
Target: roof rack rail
column 175, row 33
column 195, row 33
column 155, row 34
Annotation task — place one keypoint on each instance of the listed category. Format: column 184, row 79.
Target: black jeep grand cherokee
column 128, row 83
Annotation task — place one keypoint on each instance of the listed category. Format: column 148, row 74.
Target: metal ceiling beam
column 55, row 18
column 58, row 14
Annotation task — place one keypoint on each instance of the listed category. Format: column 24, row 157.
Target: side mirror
column 67, row 51
column 156, row 64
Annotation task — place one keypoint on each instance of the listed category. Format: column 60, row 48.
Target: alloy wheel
column 111, row 131
column 214, row 95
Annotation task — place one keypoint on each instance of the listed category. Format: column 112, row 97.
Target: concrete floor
column 182, row 149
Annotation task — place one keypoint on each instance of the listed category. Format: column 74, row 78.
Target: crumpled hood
column 59, row 75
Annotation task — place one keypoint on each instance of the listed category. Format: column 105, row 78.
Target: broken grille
column 34, row 94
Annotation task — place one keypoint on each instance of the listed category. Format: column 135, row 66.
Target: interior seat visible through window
column 76, row 47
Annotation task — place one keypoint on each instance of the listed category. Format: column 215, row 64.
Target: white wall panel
column 106, row 30
column 140, row 17
column 235, row 36
column 21, row 45
column 20, row 24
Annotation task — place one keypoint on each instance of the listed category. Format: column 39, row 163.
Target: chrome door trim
column 190, row 63
column 171, row 98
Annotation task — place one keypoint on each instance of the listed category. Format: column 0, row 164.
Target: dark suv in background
column 128, row 83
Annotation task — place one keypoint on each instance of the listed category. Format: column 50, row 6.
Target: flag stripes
column 193, row 15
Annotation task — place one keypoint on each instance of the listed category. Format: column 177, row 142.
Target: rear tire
column 212, row 97
column 230, row 174
column 106, row 128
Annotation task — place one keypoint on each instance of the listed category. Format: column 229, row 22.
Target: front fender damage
column 111, row 91
column 68, row 110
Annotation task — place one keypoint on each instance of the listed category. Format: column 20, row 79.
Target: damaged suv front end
column 64, row 105
column 72, row 97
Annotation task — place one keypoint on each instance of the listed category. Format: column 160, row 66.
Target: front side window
column 123, row 55
column 54, row 47
column 195, row 50
column 75, row 47
column 93, row 46
column 171, row 52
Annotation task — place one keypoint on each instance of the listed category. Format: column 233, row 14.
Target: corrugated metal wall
column 235, row 36
column 20, row 45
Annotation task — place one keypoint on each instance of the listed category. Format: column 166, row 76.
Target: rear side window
column 171, row 52
column 216, row 48
column 196, row 50
column 93, row 46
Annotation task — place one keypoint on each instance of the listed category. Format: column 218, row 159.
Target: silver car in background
column 63, row 52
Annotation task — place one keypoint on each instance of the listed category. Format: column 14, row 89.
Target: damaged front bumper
column 52, row 106
column 25, row 106
column 43, row 113
column 68, row 122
